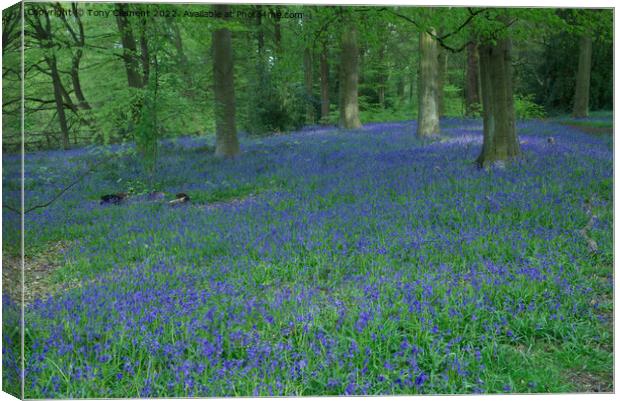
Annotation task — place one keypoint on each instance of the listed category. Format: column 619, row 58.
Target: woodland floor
column 319, row 262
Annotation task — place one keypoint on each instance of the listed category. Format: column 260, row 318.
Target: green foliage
column 147, row 130
column 526, row 108
column 550, row 68
column 276, row 111
column 453, row 101
column 269, row 82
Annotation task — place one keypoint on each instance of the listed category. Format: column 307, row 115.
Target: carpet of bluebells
column 322, row 262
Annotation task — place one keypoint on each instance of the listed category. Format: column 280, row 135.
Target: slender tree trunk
column 43, row 34
column 428, row 112
column 442, row 62
column 382, row 78
column 308, row 84
column 182, row 57
column 75, row 80
column 260, row 35
column 129, row 48
column 582, row 87
column 144, row 54
column 400, row 88
column 260, row 39
column 500, row 143
column 277, row 31
column 178, row 44
column 324, row 84
column 349, row 76
column 472, row 83
column 60, row 107
column 226, row 142
column 79, row 42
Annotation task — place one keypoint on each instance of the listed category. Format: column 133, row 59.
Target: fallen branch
column 59, row 194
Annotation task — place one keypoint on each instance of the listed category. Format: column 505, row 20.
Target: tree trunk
column 500, row 143
column 382, row 78
column 400, row 88
column 472, row 83
column 129, row 47
column 144, row 54
column 79, row 42
column 75, row 80
column 182, row 58
column 60, row 107
column 324, row 84
column 260, row 39
column 260, row 35
column 308, row 84
column 582, row 87
column 277, row 31
column 442, row 63
column 349, row 76
column 226, row 142
column 428, row 112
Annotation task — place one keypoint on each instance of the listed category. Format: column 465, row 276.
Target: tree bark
column 324, row 84
column 260, row 35
column 75, row 80
column 79, row 42
column 382, row 78
column 43, row 34
column 260, row 40
column 442, row 63
column 349, row 76
column 129, row 48
column 144, row 54
column 400, row 88
column 308, row 84
column 226, row 142
column 472, row 83
column 428, row 112
column 500, row 143
column 277, row 31
column 182, row 59
column 582, row 87
column 58, row 98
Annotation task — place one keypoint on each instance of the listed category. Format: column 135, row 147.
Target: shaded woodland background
column 95, row 79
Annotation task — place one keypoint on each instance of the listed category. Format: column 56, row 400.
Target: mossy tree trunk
column 308, row 84
column 58, row 99
column 382, row 77
column 144, row 53
column 324, row 84
column 472, row 81
column 582, row 87
column 428, row 111
column 226, row 142
column 500, row 143
column 400, row 89
column 129, row 47
column 442, row 63
column 277, row 30
column 349, row 70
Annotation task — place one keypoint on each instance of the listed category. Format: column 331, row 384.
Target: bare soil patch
column 37, row 274
column 586, row 382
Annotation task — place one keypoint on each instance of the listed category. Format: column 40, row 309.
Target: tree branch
column 59, row 194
